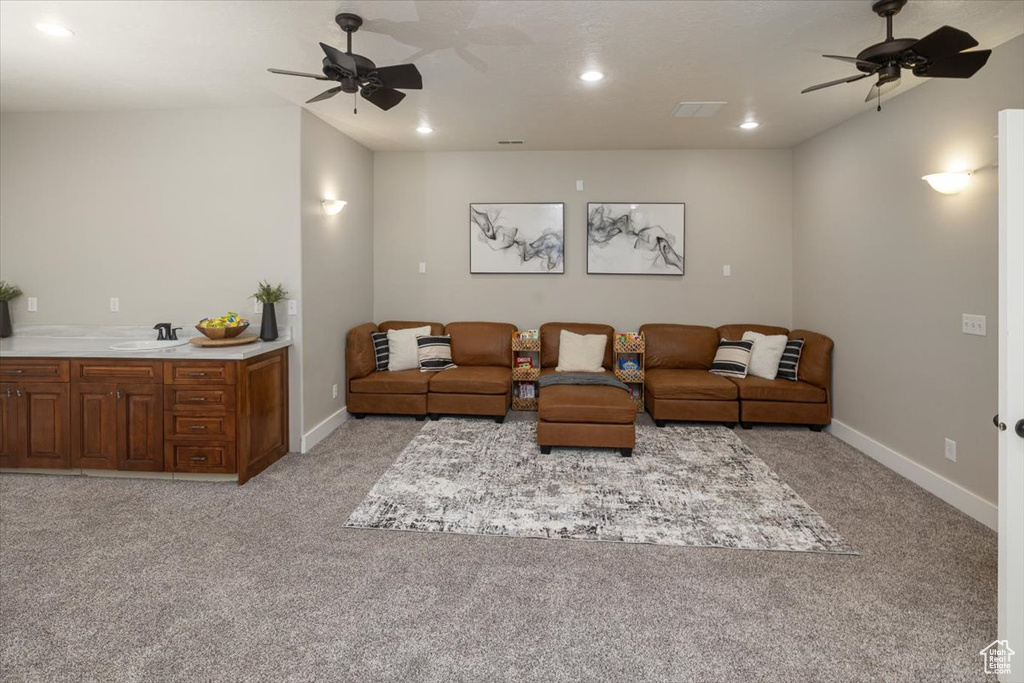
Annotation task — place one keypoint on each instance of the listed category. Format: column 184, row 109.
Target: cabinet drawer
column 180, row 425
column 34, row 370
column 199, row 372
column 208, row 399
column 212, row 457
column 147, row 371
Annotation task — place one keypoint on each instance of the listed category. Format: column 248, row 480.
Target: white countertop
column 96, row 342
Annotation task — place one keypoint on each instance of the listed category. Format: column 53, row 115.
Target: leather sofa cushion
column 401, row 382
column 360, row 360
column 585, row 404
column 816, row 359
column 735, row 331
column 760, row 389
column 549, row 338
column 689, row 385
column 688, row 347
column 435, row 328
column 479, row 343
column 470, row 379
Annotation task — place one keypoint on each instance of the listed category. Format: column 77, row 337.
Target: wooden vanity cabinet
column 194, row 416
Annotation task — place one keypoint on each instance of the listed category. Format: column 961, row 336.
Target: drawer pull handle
column 198, row 458
column 15, row 372
column 197, row 374
column 197, row 427
column 198, row 399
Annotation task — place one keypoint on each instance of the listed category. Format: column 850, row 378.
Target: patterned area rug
column 684, row 485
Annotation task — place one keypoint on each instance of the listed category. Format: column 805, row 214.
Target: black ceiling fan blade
column 340, row 59
column 943, row 43
column 851, row 79
column 853, row 60
column 385, row 98
column 325, row 95
column 962, row 65
column 405, row 76
column 877, row 90
column 319, row 77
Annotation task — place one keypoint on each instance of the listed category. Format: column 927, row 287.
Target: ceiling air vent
column 510, row 142
column 686, row 110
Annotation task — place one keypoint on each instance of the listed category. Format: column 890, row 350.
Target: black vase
column 5, row 320
column 268, row 328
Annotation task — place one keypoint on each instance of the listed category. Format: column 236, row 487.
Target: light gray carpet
column 684, row 485
column 133, row 580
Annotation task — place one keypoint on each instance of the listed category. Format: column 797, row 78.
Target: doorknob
column 1019, row 428
column 1001, row 426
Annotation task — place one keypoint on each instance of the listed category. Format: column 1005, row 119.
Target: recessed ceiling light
column 55, row 30
column 591, row 76
column 749, row 125
column 424, row 130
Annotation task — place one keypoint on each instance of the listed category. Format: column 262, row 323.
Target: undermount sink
column 148, row 345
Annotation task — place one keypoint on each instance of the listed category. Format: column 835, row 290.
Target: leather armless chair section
column 679, row 347
column 481, row 343
column 549, row 339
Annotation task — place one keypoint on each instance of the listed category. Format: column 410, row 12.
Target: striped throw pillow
column 380, row 350
column 435, row 352
column 791, row 360
column 732, row 358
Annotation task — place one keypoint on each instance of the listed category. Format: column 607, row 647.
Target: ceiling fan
column 355, row 73
column 940, row 54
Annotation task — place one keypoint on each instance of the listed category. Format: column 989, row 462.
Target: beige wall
column 886, row 266
column 337, row 260
column 177, row 213
column 738, row 212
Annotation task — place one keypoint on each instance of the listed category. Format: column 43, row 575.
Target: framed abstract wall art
column 635, row 239
column 517, row 238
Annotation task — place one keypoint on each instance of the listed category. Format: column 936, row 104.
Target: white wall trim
column 323, row 430
column 967, row 502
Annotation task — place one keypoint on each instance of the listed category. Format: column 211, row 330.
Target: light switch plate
column 579, row 186
column 727, row 271
column 293, row 307
column 974, row 324
column 33, row 304
column 423, row 266
column 115, row 305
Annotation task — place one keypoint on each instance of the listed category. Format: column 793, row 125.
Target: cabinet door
column 140, row 442
column 11, row 433
column 47, row 425
column 263, row 430
column 94, row 425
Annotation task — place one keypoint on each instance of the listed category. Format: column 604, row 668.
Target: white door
column 1011, row 387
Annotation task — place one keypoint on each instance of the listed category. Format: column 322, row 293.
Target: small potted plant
column 268, row 295
column 7, row 294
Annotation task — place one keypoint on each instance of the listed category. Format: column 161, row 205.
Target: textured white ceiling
column 491, row 70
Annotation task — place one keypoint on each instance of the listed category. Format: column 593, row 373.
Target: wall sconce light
column 332, row 207
column 947, row 183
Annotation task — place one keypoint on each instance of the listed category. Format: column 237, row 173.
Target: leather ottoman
column 591, row 416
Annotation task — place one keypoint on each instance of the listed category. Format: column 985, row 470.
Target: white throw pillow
column 403, row 353
column 766, row 354
column 581, row 352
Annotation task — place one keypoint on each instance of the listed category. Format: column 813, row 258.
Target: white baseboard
column 323, row 430
column 969, row 503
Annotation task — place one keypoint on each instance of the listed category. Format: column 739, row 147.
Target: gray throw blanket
column 580, row 378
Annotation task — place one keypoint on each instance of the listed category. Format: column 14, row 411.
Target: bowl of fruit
column 224, row 327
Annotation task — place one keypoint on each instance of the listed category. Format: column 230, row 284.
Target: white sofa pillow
column 403, row 353
column 580, row 352
column 766, row 354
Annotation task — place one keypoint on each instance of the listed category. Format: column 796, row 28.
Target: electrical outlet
column 293, row 307
column 334, row 391
column 115, row 305
column 423, row 266
column 951, row 450
column 33, row 304
column 973, row 324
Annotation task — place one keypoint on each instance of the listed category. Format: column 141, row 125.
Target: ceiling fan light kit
column 940, row 54
column 357, row 74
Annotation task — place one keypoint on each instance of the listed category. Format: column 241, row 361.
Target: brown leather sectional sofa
column 480, row 385
column 678, row 385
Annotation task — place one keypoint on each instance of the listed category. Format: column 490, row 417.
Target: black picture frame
column 681, row 267
column 527, row 245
